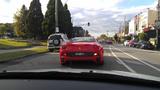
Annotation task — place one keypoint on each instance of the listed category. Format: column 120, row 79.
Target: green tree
column 128, row 37
column 103, row 37
column 34, row 20
column 143, row 36
column 62, row 22
column 116, row 38
column 3, row 29
column 68, row 26
column 16, row 24
column 6, row 29
column 20, row 22
column 49, row 21
column 64, row 19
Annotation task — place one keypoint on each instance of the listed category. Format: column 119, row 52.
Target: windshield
column 83, row 39
column 121, row 27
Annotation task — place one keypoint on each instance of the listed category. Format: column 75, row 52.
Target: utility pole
column 124, row 31
column 56, row 17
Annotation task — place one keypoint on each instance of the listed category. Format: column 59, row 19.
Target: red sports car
column 81, row 49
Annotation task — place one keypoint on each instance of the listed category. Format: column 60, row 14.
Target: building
column 142, row 22
column 132, row 27
column 146, row 20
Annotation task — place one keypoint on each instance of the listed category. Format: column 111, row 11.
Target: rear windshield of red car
column 83, row 39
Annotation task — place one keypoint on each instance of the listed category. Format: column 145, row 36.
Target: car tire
column 62, row 62
column 99, row 62
column 56, row 42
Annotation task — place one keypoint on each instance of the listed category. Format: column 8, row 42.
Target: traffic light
column 88, row 24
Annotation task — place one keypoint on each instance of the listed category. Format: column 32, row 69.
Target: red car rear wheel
column 100, row 61
column 62, row 62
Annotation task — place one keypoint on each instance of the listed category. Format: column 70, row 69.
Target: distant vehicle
column 81, row 49
column 126, row 43
column 109, row 42
column 56, row 40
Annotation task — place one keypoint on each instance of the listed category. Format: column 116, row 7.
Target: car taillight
column 95, row 54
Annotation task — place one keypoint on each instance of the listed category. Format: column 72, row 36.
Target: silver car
column 56, row 40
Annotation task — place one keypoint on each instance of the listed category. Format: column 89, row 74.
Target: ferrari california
column 81, row 49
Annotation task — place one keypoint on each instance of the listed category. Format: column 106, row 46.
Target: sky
column 105, row 16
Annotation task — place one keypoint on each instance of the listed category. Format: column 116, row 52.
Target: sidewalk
column 15, row 50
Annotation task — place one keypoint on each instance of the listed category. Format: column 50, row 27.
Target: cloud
column 12, row 6
column 104, row 15
column 7, row 0
column 93, row 4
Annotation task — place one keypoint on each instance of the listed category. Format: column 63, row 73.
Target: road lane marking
column 120, row 61
column 150, row 51
column 107, row 54
column 139, row 60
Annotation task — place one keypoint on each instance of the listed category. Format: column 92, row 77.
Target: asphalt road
column 117, row 57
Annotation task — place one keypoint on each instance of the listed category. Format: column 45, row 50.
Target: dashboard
column 13, row 84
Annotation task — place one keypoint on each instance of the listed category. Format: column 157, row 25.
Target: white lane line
column 120, row 61
column 139, row 60
column 150, row 51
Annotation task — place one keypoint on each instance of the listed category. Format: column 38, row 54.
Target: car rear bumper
column 89, row 58
column 64, row 56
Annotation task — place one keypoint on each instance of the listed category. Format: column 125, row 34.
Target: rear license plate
column 79, row 54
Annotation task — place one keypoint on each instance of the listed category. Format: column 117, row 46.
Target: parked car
column 56, row 40
column 139, row 44
column 132, row 43
column 126, row 43
column 81, row 49
column 109, row 42
column 145, row 45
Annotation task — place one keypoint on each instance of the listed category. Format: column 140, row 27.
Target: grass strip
column 4, row 57
column 8, row 44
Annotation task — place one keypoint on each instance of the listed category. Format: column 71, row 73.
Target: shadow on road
column 108, row 64
column 82, row 65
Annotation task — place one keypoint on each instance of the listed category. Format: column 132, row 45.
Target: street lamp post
column 56, row 17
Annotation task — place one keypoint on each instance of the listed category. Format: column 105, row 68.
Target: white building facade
column 146, row 19
column 132, row 27
column 142, row 21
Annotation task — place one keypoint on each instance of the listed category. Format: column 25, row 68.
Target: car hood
column 104, row 72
